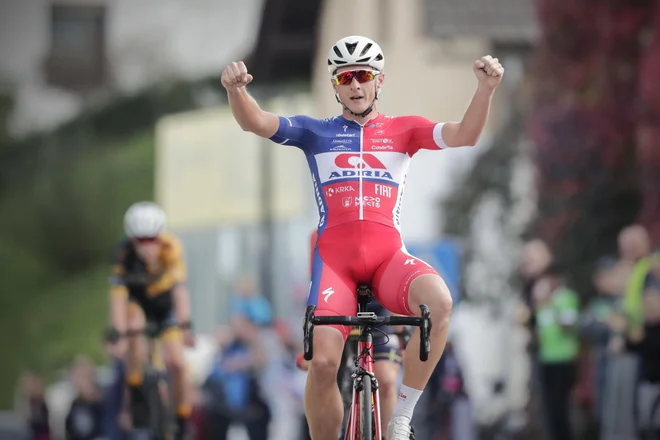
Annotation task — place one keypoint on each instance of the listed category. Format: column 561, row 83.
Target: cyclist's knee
column 176, row 365
column 431, row 290
column 328, row 347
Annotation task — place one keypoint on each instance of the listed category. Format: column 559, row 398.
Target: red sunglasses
column 146, row 240
column 362, row 76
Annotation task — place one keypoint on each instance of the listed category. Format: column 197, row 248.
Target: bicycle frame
column 364, row 371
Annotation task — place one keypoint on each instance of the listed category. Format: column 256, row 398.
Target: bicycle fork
column 365, row 400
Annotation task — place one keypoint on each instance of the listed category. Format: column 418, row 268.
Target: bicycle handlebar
column 150, row 330
column 423, row 322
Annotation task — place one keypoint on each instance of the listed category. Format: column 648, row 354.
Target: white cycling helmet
column 355, row 50
column 144, row 219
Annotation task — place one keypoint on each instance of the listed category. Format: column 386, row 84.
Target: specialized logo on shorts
column 327, row 293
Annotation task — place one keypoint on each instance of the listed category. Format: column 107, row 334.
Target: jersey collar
column 373, row 120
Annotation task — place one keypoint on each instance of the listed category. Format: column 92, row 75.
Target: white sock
column 405, row 405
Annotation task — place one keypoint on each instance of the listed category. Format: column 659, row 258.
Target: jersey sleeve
column 425, row 134
column 296, row 131
column 175, row 261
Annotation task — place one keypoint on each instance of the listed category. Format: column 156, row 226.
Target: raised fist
column 235, row 76
column 489, row 71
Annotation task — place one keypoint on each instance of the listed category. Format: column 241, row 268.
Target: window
column 77, row 58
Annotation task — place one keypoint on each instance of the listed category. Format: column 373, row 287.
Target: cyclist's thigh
column 172, row 341
column 136, row 318
column 393, row 278
column 163, row 314
column 332, row 294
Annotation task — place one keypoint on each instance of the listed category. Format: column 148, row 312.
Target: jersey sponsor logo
column 355, row 161
column 397, row 213
column 342, row 141
column 383, row 190
column 340, row 148
column 346, row 201
column 382, row 147
column 348, row 135
column 319, row 201
column 354, row 165
column 410, row 261
column 368, row 201
column 339, row 190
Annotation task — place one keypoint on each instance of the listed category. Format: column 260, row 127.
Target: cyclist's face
column 147, row 249
column 356, row 86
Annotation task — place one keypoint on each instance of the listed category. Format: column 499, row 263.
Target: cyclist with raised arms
column 148, row 283
column 358, row 162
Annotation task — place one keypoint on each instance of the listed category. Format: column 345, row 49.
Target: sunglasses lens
column 146, row 240
column 345, row 78
column 364, row 76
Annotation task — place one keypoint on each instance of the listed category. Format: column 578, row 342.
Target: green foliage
column 55, row 241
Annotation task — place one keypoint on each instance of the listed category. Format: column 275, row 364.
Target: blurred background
column 107, row 102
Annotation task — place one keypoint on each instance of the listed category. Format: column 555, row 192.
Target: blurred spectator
column 620, row 378
column 556, row 323
column 36, row 410
column 535, row 260
column 114, row 393
column 251, row 303
column 85, row 420
column 233, row 393
column 450, row 414
column 595, row 323
column 635, row 248
column 646, row 341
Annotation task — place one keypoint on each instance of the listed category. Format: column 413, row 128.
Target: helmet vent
column 366, row 49
column 351, row 47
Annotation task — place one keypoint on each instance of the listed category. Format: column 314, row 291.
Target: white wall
column 146, row 40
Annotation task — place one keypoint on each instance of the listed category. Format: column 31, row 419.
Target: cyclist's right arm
column 245, row 109
column 250, row 116
column 118, row 294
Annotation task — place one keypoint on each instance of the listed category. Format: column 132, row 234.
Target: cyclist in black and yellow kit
column 147, row 284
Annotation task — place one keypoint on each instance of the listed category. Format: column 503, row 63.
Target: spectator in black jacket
column 37, row 410
column 85, row 420
column 646, row 343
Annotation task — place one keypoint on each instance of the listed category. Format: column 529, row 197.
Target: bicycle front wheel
column 366, row 411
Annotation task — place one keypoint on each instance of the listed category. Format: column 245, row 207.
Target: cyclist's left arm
column 177, row 268
column 468, row 131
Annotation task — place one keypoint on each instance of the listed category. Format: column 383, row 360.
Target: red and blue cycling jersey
column 359, row 172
